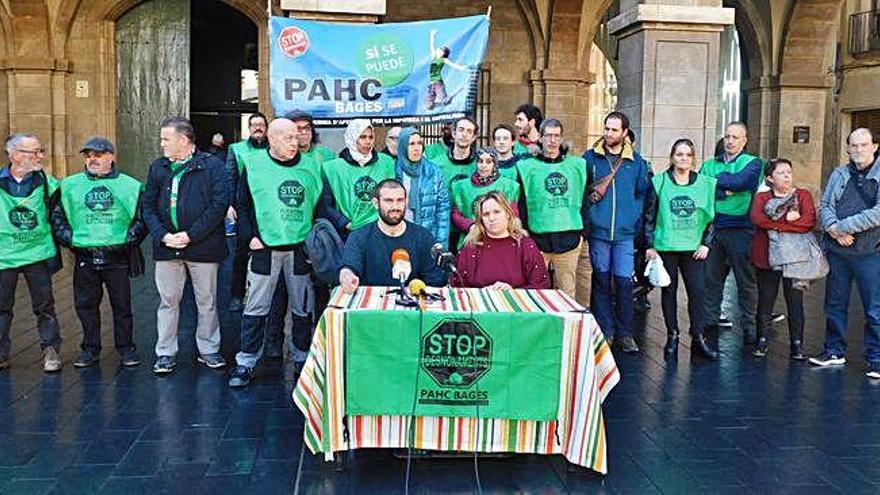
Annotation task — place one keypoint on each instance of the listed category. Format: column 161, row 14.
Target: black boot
column 797, row 351
column 671, row 346
column 701, row 348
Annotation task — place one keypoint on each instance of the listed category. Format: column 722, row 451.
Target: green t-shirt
column 738, row 203
column 352, row 187
column 284, row 197
column 25, row 234
column 554, row 193
column 99, row 210
column 683, row 212
column 453, row 171
column 435, row 71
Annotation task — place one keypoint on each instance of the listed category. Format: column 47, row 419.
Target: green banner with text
column 491, row 365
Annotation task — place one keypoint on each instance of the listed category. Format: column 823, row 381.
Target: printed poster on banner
column 397, row 73
column 491, row 365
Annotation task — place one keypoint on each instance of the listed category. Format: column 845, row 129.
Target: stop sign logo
column 293, row 41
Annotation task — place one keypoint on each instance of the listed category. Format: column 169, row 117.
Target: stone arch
column 532, row 19
column 30, row 16
column 809, row 37
column 756, row 39
column 592, row 13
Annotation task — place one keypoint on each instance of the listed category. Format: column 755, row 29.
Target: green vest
column 519, row 148
column 738, row 203
column 452, row 171
column 434, row 150
column 284, row 197
column 240, row 149
column 554, row 193
column 352, row 187
column 465, row 193
column 100, row 211
column 320, row 154
column 683, row 212
column 25, row 234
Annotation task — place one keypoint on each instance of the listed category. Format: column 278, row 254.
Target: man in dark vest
column 27, row 195
column 280, row 192
column 849, row 213
column 99, row 219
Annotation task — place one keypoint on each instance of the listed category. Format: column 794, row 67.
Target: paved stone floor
column 739, row 426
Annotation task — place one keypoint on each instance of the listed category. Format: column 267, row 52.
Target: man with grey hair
column 27, row 196
column 185, row 203
column 280, row 193
column 849, row 214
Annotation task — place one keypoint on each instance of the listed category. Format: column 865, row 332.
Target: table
column 588, row 373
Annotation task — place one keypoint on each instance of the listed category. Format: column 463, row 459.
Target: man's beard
column 388, row 219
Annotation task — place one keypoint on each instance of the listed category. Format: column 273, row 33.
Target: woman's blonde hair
column 478, row 233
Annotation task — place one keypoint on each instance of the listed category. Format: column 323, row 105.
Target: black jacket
column 202, row 201
column 126, row 255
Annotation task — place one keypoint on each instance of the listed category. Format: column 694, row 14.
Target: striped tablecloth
column 588, row 374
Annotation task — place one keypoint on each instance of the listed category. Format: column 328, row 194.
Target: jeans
column 88, row 290
column 39, row 282
column 865, row 269
column 611, row 297
column 694, row 274
column 730, row 251
column 768, row 287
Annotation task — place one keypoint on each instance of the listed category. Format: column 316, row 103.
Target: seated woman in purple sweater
column 497, row 252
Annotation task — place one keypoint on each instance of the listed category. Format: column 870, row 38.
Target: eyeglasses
column 392, row 138
column 38, row 151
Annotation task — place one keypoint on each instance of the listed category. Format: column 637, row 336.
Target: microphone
column 445, row 259
column 401, row 267
column 417, row 288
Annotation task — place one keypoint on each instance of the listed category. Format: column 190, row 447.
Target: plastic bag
column 656, row 273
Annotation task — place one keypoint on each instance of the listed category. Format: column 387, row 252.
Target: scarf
column 476, row 179
column 412, row 169
column 354, row 130
column 777, row 208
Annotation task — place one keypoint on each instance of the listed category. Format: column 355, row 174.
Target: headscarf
column 412, row 169
column 479, row 180
column 354, row 130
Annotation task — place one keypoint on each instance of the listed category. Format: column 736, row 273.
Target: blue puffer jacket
column 617, row 216
column 434, row 207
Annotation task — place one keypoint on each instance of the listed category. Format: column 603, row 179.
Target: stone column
column 668, row 72
column 564, row 94
column 37, row 104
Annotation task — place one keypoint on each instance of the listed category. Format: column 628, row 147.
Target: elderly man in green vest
column 738, row 174
column 27, row 195
column 99, row 219
column 279, row 194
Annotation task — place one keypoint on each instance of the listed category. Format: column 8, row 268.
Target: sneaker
column 628, row 345
column 131, row 358
column 723, row 322
column 164, row 365
column 827, row 359
column 51, row 361
column 760, row 349
column 797, row 351
column 776, row 317
column 873, row 370
column 240, row 376
column 212, row 361
column 86, row 359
